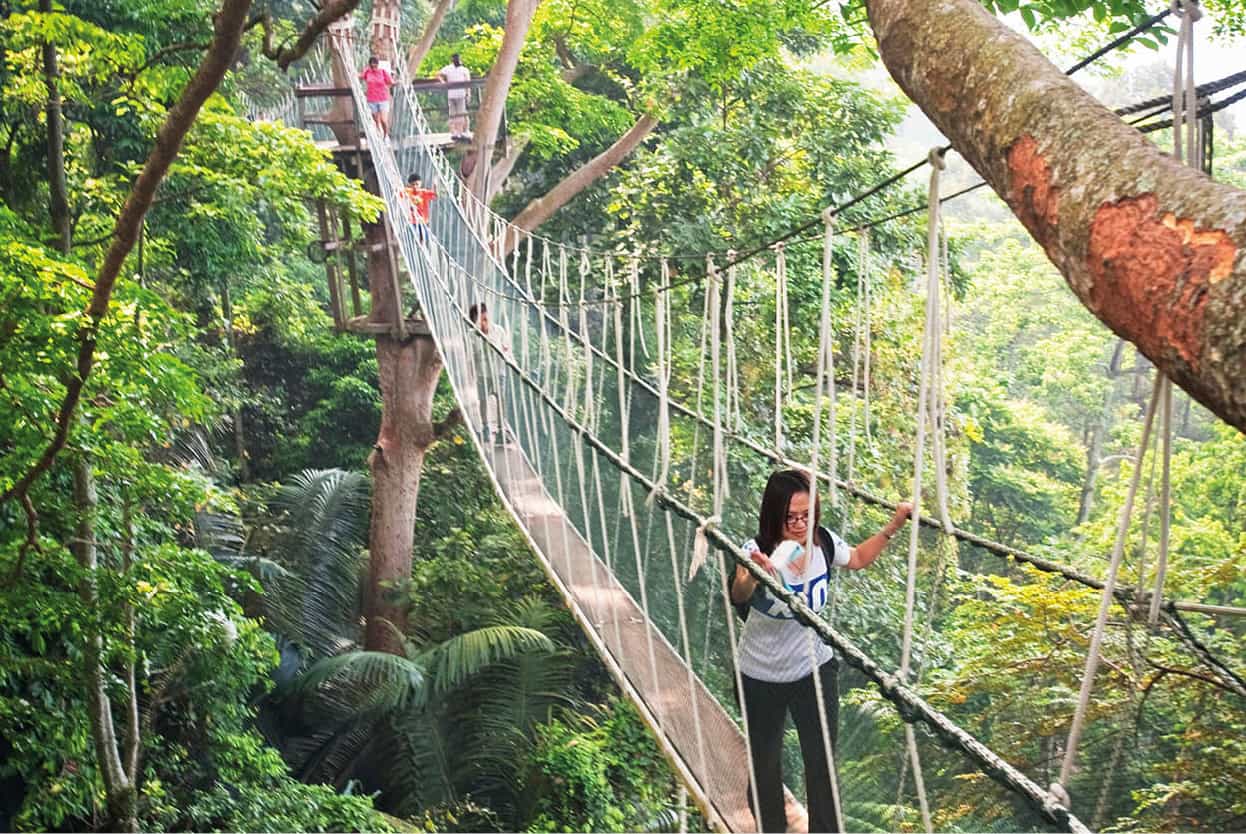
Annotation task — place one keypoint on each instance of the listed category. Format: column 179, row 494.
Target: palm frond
column 452, row 662
column 324, row 509
column 528, row 612
column 194, row 448
column 221, row 534
column 372, row 683
column 322, row 518
column 434, row 766
column 329, row 755
column 665, row 819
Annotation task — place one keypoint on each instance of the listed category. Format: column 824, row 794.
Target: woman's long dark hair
column 774, row 505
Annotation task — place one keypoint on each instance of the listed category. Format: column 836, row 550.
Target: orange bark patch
column 1031, row 196
column 1152, row 273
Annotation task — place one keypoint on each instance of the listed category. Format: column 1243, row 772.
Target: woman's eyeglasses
column 797, row 519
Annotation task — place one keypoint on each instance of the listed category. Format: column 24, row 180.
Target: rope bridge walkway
column 624, row 486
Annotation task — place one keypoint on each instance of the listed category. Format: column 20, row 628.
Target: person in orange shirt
column 419, row 205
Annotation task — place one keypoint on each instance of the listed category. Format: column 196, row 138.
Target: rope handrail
column 908, row 703
column 1201, row 90
column 1126, row 597
column 734, row 259
column 835, row 210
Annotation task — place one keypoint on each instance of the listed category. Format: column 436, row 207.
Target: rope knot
column 701, row 545
column 935, row 158
column 1187, row 8
column 828, row 215
column 657, row 493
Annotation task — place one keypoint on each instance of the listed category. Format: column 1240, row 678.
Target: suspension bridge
column 635, row 496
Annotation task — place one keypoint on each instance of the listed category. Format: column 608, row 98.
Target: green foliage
column 198, row 738
column 601, row 775
column 720, row 41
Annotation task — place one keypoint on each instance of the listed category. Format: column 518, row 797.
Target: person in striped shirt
column 777, row 659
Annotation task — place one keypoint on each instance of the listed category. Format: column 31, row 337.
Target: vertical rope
column 720, row 451
column 546, row 357
column 638, row 330
column 924, row 408
column 734, row 418
column 934, row 376
column 701, row 352
column 606, row 551
column 1184, row 102
column 1060, row 789
column 824, row 342
column 780, row 329
column 564, row 320
column 739, row 686
column 718, row 487
column 586, row 341
column 687, row 644
column 1185, row 110
column 625, row 431
column 863, row 254
column 663, row 374
column 826, row 363
column 1147, row 506
column 1165, row 499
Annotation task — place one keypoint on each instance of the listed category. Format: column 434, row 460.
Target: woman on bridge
column 377, row 81
column 776, row 663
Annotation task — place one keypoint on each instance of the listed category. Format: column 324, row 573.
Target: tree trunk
column 231, row 341
column 519, row 14
column 1150, row 246
column 118, row 778
column 504, row 166
column 542, row 208
column 408, row 370
column 58, row 190
column 415, row 55
column 118, row 788
column 1097, row 432
column 386, row 16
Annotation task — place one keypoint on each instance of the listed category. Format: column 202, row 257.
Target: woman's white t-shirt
column 774, row 646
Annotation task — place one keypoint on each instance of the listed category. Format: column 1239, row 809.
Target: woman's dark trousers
column 766, row 706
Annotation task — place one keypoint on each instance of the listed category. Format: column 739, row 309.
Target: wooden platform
column 441, row 140
column 600, row 602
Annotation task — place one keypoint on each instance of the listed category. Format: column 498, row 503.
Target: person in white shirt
column 776, row 666
column 455, row 73
column 493, row 378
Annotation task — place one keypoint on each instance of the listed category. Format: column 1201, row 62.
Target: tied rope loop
column 782, row 341
column 734, row 417
column 701, row 545
column 663, row 373
column 827, row 346
column 1184, row 97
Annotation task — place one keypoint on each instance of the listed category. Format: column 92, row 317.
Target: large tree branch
column 227, row 33
column 519, row 14
column 542, row 208
column 286, row 55
column 415, row 55
column 1153, row 248
column 503, row 167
